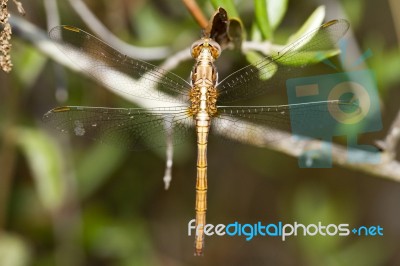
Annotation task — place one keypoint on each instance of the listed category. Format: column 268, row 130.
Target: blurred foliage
column 45, row 161
column 83, row 203
column 13, row 250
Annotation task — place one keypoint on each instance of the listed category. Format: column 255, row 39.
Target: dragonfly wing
column 260, row 78
column 262, row 124
column 118, row 71
column 131, row 128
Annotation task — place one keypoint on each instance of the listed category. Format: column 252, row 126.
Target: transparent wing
column 260, row 78
column 249, row 123
column 130, row 128
column 117, row 71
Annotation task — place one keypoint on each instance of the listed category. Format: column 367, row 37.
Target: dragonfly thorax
column 203, row 95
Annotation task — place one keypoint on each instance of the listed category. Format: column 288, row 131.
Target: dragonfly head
column 205, row 45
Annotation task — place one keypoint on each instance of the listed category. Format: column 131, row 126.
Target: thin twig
column 97, row 27
column 196, row 12
column 53, row 18
column 52, row 14
column 387, row 168
column 392, row 139
column 40, row 39
column 174, row 60
column 20, row 7
column 265, row 48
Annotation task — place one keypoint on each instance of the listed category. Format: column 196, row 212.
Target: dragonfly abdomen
column 202, row 129
column 203, row 97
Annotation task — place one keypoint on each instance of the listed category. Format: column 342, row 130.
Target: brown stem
column 196, row 12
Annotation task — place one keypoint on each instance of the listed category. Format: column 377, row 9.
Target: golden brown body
column 203, row 96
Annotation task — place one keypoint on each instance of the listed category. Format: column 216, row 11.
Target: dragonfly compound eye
column 196, row 48
column 214, row 48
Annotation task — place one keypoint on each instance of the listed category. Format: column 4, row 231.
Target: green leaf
column 127, row 240
column 269, row 14
column 28, row 62
column 313, row 22
column 385, row 63
column 270, row 69
column 276, row 11
column 148, row 20
column 45, row 160
column 261, row 13
column 253, row 57
column 228, row 5
column 96, row 167
column 310, row 57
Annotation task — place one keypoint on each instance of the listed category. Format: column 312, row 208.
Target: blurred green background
column 68, row 202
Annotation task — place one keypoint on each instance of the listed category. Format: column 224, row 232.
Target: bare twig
column 97, row 27
column 265, row 47
column 174, row 60
column 19, row 7
column 387, row 168
column 53, row 18
column 392, row 138
column 196, row 12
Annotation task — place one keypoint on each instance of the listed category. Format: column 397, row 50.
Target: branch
column 387, row 168
column 53, row 18
column 265, row 47
column 392, row 138
column 196, row 12
column 52, row 15
column 97, row 27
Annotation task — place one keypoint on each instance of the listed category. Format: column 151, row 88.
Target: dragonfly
column 199, row 106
